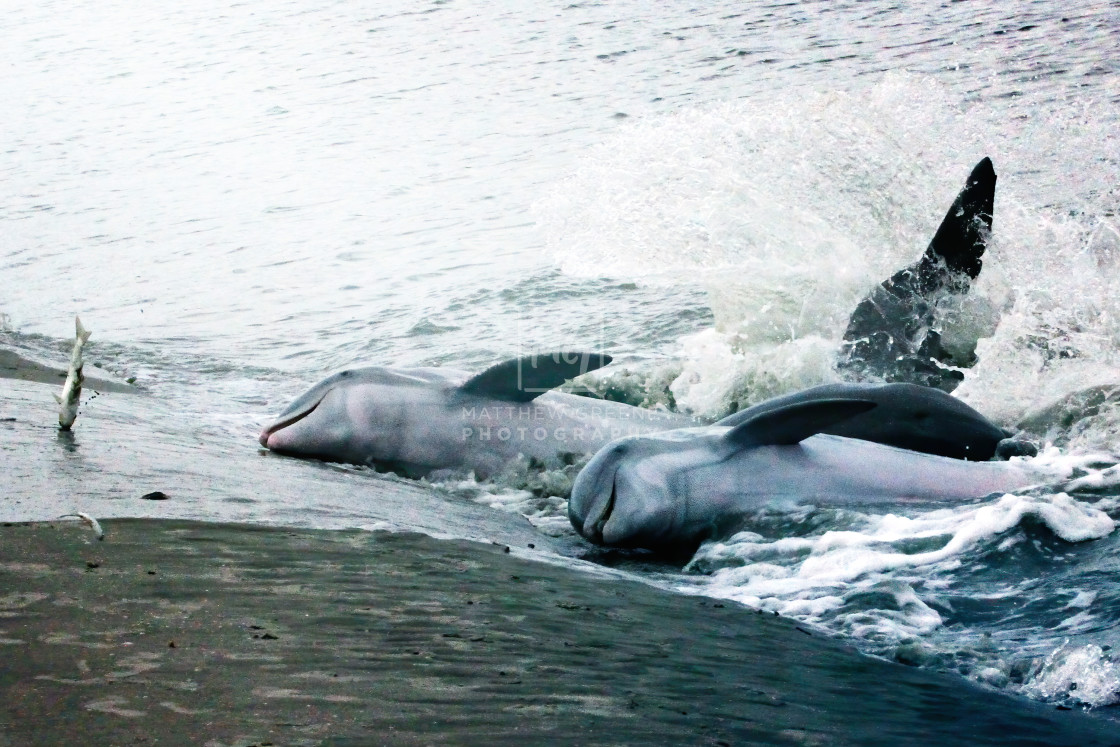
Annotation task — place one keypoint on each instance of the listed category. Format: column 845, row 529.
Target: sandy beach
column 171, row 632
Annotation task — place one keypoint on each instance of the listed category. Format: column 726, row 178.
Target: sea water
column 241, row 198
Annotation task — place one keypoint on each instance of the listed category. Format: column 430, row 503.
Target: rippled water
column 240, row 199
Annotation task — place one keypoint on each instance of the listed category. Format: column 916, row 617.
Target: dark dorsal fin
column 961, row 237
column 790, row 425
column 525, row 379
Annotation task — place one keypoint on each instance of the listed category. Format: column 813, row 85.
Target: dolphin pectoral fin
column 525, row 379
column 790, row 425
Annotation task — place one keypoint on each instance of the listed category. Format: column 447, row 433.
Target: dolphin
column 428, row 421
column 668, row 492
column 892, row 334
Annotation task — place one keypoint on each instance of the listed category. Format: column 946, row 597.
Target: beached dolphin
column 893, row 333
column 670, row 491
column 417, row 421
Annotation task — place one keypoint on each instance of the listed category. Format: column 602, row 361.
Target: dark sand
column 174, row 632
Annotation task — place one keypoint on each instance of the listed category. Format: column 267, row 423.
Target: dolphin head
column 315, row 424
column 357, row 416
column 628, row 494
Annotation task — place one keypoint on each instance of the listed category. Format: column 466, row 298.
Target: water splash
column 787, row 210
column 1077, row 675
column 874, row 576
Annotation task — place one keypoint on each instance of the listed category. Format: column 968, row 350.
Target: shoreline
column 15, row 366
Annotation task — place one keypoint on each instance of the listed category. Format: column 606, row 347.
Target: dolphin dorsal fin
column 786, row 426
column 961, row 238
column 524, row 379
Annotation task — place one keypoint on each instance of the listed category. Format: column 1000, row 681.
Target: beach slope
column 179, row 632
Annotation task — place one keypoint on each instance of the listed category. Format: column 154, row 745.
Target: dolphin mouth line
column 605, row 516
column 282, row 424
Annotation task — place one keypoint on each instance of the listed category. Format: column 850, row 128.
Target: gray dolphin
column 668, row 492
column 892, row 335
column 419, row 421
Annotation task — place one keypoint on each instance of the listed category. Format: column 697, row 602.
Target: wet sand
column 15, row 366
column 125, row 446
column 176, row 632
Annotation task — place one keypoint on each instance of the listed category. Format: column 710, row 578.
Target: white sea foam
column 1080, row 674
column 865, row 579
column 1082, row 599
column 721, row 375
column 786, row 211
column 538, row 495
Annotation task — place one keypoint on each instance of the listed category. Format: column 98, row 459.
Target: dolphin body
column 849, row 443
column 422, row 421
column 668, row 492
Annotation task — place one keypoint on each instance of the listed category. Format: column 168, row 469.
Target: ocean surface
column 242, row 198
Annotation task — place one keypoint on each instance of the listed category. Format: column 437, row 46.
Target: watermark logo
column 584, row 423
column 540, row 370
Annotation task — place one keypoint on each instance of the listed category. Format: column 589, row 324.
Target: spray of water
column 788, row 210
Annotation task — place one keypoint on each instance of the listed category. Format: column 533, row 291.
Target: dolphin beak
column 599, row 515
column 284, row 421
